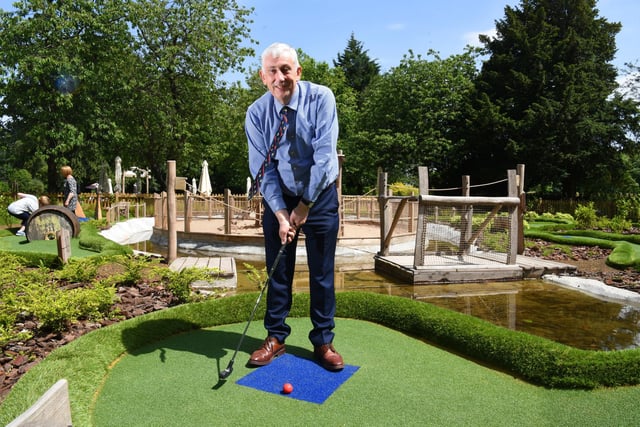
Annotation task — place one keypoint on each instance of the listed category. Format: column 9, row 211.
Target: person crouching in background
column 24, row 207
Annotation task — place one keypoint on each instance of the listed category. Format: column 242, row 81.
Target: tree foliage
column 408, row 117
column 86, row 81
column 543, row 97
column 358, row 68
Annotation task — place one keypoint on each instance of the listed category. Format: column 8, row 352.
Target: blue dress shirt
column 306, row 161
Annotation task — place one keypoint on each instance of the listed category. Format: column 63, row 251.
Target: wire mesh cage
column 464, row 234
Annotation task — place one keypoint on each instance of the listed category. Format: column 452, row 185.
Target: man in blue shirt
column 299, row 192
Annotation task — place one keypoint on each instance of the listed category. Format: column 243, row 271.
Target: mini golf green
column 401, row 381
column 161, row 369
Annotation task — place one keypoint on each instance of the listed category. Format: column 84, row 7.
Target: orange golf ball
column 287, row 388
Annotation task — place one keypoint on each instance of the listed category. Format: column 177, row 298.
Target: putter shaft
column 225, row 373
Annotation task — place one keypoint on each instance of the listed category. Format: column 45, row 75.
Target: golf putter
column 229, row 369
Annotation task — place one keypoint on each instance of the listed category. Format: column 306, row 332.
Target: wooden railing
column 231, row 207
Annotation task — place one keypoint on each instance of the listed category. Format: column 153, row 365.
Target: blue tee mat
column 311, row 382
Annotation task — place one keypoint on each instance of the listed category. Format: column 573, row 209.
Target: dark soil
column 590, row 261
column 18, row 357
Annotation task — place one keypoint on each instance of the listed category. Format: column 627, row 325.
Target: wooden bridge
column 225, row 275
column 461, row 239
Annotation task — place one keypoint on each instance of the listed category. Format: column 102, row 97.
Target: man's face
column 280, row 75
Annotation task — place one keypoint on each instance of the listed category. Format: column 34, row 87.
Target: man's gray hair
column 276, row 50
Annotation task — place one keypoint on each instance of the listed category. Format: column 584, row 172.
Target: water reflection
column 532, row 306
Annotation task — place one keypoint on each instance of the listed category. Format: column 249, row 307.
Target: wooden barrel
column 46, row 221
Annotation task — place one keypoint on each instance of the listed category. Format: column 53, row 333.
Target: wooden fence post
column 339, row 187
column 421, row 228
column 385, row 211
column 171, row 211
column 228, row 212
column 513, row 218
column 64, row 245
column 523, row 207
column 188, row 211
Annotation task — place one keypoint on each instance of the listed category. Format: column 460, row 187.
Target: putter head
column 224, row 374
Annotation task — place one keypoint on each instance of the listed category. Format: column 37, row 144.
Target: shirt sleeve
column 325, row 146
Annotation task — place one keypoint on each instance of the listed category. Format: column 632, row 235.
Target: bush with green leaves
column 55, row 307
column 80, row 269
column 618, row 224
column 52, row 298
column 628, row 207
column 402, row 189
column 586, row 217
column 5, row 218
column 132, row 268
column 180, row 282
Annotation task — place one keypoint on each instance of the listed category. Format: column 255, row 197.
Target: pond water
column 534, row 306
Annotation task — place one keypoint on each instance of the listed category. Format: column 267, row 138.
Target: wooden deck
column 471, row 269
column 227, row 277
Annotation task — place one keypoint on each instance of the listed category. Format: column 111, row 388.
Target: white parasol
column 205, row 182
column 118, row 187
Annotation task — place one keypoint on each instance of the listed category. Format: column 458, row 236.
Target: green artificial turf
column 625, row 247
column 20, row 244
column 401, row 381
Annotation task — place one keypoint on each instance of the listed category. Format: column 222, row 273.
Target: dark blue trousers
column 23, row 216
column 321, row 236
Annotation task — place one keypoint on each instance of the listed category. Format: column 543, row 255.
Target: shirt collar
column 293, row 102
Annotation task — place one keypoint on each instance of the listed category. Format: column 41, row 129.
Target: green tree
column 83, row 82
column 544, row 98
column 183, row 48
column 630, row 87
column 416, row 125
column 53, row 58
column 359, row 69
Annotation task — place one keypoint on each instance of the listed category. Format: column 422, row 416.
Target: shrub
column 401, row 189
column 585, row 216
column 618, row 224
column 179, row 282
column 628, row 207
column 56, row 308
column 79, row 270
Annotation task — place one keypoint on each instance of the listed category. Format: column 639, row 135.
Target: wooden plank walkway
column 226, row 278
column 445, row 269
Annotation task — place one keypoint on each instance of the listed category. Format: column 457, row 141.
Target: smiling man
column 292, row 133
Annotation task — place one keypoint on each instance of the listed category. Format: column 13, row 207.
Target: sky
column 388, row 30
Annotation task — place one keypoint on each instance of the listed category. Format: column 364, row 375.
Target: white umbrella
column 118, row 188
column 205, row 181
column 194, row 186
column 125, row 175
column 109, row 188
column 248, row 185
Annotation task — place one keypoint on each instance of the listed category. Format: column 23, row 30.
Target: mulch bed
column 18, row 357
column 590, row 261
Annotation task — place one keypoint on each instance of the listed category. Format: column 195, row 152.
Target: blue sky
column 321, row 28
column 388, row 30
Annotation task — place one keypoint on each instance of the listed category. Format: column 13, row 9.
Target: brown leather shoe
column 328, row 357
column 271, row 348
